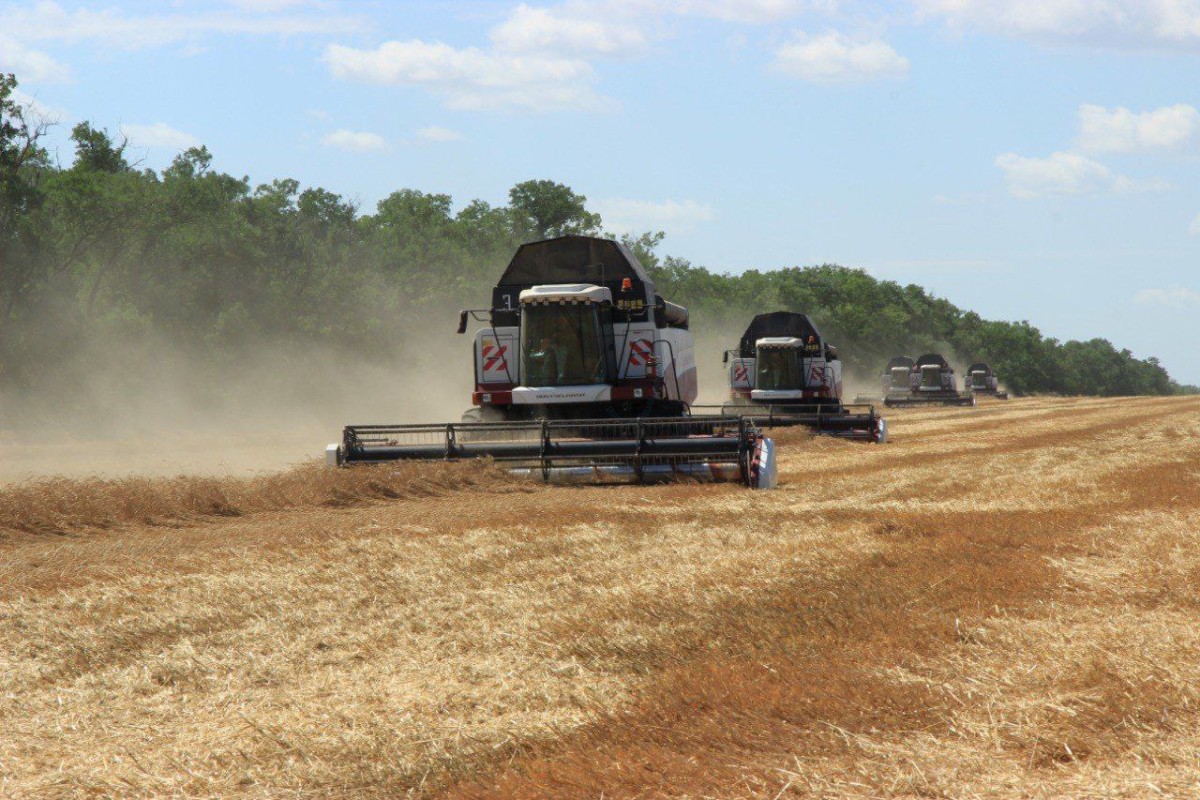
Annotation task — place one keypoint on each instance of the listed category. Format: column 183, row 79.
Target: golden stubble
column 867, row 630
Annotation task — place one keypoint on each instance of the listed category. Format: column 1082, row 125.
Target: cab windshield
column 900, row 377
column 931, row 377
column 979, row 379
column 561, row 345
column 779, row 368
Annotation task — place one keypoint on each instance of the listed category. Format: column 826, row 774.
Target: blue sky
column 1026, row 159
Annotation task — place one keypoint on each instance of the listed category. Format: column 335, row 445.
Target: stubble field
column 1001, row 602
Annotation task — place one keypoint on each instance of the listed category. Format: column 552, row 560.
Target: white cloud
column 267, row 6
column 436, row 135
column 540, row 57
column 470, row 78
column 1175, row 297
column 354, row 141
column 1066, row 173
column 160, row 134
column 749, row 11
column 557, row 31
column 625, row 215
column 1194, row 228
column 1164, row 24
column 836, row 58
column 1122, row 131
column 49, row 21
column 40, row 110
column 29, row 64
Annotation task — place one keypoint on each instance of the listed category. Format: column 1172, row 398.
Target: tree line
column 104, row 249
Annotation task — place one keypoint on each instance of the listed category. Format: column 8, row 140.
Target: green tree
column 97, row 256
column 23, row 161
column 544, row 209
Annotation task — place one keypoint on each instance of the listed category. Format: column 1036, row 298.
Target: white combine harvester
column 582, row 374
column 982, row 381
column 931, row 382
column 783, row 372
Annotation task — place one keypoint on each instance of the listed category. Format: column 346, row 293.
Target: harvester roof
column 776, row 324
column 900, row 361
column 980, row 366
column 581, row 260
column 576, row 259
column 933, row 359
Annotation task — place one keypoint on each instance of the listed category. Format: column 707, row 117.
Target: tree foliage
column 215, row 265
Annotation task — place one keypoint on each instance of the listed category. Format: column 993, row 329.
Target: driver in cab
column 556, row 361
column 543, row 361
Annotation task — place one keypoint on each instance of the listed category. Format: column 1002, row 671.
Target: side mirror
column 462, row 322
column 725, row 357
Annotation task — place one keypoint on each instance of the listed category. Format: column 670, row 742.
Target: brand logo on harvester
column 559, row 396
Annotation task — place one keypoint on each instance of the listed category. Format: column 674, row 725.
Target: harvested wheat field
column 1002, row 602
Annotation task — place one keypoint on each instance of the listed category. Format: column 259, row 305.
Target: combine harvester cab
column 981, row 381
column 583, row 374
column 931, row 382
column 783, row 372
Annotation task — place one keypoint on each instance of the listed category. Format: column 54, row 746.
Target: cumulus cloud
column 567, row 31
column 267, row 6
column 41, row 112
column 470, row 78
column 436, row 135
column 836, row 58
column 160, row 134
column 540, row 57
column 28, row 63
column 1160, row 24
column 354, row 141
column 1064, row 173
column 749, row 11
column 625, row 215
column 1123, row 131
column 1175, row 297
column 49, row 21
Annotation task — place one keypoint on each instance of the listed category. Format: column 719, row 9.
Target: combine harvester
column 784, row 373
column 982, row 382
column 896, row 381
column 931, row 382
column 583, row 374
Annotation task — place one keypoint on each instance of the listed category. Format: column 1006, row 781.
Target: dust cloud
column 151, row 407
